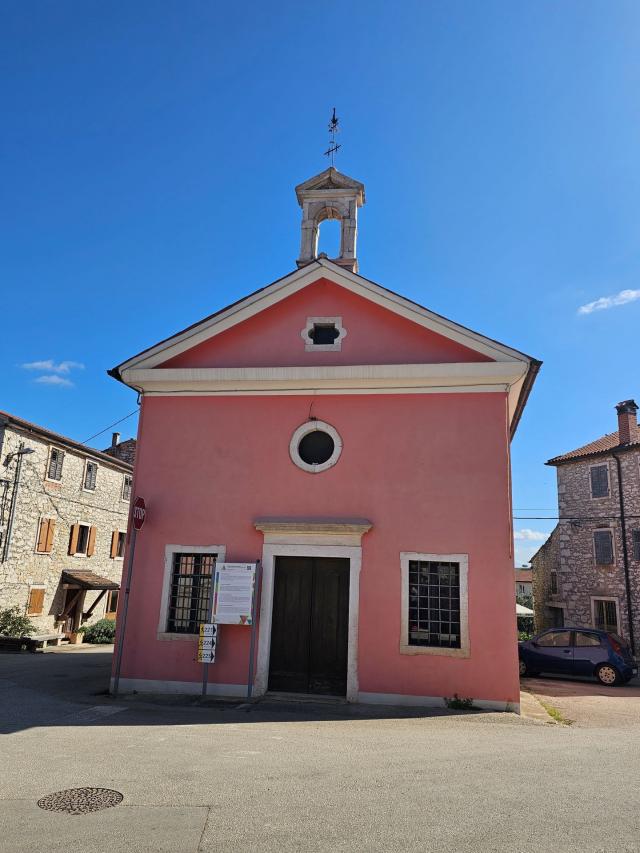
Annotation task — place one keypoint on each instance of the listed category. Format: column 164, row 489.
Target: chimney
column 627, row 422
column 115, row 440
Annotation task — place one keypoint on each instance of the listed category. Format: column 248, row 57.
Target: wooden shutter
column 599, row 481
column 42, row 535
column 51, row 526
column 36, row 602
column 603, row 547
column 73, row 540
column 114, row 544
column 91, row 544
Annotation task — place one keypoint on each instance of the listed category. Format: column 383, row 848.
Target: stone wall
column 580, row 579
column 546, row 560
column 68, row 503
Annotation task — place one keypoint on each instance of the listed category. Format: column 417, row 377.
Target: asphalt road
column 310, row 777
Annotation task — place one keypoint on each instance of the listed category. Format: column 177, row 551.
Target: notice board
column 233, row 595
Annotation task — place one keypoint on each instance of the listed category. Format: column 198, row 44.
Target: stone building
column 63, row 520
column 588, row 571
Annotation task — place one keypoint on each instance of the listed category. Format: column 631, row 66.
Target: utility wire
column 115, row 423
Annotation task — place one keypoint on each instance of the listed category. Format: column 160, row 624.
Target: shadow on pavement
column 69, row 687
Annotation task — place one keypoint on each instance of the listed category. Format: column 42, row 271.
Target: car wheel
column 526, row 671
column 608, row 675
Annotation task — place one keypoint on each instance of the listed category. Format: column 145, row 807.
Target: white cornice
column 297, row 280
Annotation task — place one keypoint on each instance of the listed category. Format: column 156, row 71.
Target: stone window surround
column 46, row 471
column 463, row 561
column 169, row 551
column 305, row 429
column 124, row 480
column 600, row 464
column 42, row 517
column 336, row 346
column 610, row 530
column 88, row 525
column 616, row 601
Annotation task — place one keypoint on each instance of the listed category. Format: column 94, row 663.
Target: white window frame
column 88, row 462
column 615, row 600
column 610, row 530
column 84, row 524
column 463, row 561
column 121, row 533
column 305, row 429
column 336, row 346
column 604, row 464
column 46, row 473
column 169, row 551
column 124, row 478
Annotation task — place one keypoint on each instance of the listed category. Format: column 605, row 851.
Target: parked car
column 578, row 651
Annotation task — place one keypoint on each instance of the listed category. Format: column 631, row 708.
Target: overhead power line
column 115, row 423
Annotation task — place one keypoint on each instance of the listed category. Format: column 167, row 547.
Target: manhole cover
column 80, row 800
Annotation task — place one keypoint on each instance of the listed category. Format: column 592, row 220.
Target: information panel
column 233, row 598
column 207, row 642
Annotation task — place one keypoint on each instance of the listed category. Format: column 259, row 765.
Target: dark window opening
column 323, row 333
column 554, row 583
column 606, row 615
column 636, row 544
column 603, row 543
column 122, row 536
column 83, row 539
column 191, row 579
column 90, row 476
column 599, row 481
column 112, row 601
column 434, row 604
column 316, row 447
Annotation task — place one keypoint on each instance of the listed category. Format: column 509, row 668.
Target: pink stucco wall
column 374, row 336
column 429, row 471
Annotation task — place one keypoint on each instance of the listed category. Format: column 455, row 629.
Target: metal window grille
column 599, row 481
column 191, row 579
column 636, row 544
column 606, row 615
column 434, row 604
column 55, row 464
column 90, row 475
column 126, row 487
column 603, row 543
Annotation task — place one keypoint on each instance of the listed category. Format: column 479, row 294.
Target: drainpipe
column 625, row 554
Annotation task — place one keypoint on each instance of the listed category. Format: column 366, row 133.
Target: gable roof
column 604, row 444
column 265, row 297
column 331, row 179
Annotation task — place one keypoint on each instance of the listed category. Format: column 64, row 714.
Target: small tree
column 15, row 624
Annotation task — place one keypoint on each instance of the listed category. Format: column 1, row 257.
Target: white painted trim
column 169, row 551
column 433, row 702
column 295, row 549
column 405, row 648
column 305, row 429
column 336, row 346
column 297, row 280
column 150, row 685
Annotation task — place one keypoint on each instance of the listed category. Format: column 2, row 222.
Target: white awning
column 521, row 610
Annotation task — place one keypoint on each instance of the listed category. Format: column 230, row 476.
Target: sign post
column 254, row 625
column 138, row 517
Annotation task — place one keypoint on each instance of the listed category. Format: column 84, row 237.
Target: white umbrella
column 521, row 610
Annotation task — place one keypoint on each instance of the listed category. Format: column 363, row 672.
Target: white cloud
column 54, row 379
column 50, row 365
column 621, row 298
column 530, row 535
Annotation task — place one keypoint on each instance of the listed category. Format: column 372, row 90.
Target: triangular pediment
column 330, row 179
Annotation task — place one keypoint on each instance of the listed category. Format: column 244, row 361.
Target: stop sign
column 139, row 513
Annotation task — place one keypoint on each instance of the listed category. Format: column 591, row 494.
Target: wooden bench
column 41, row 641
column 29, row 644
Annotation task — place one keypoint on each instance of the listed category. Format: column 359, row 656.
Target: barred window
column 56, row 458
column 599, row 481
column 434, row 604
column 636, row 544
column 605, row 615
column 90, row 476
column 603, row 546
column 191, row 579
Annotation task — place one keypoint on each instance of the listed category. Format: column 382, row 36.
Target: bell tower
column 330, row 195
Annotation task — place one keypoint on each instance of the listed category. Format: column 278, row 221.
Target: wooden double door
column 310, row 626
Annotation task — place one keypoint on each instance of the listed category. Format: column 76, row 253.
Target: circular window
column 315, row 446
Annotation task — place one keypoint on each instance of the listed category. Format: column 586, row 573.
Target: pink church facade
column 357, row 445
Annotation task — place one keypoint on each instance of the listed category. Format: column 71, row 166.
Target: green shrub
column 458, row 704
column 524, row 635
column 102, row 631
column 14, row 624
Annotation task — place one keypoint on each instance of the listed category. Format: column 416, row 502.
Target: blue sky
column 150, row 149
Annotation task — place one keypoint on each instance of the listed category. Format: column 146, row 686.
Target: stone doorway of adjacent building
column 310, row 626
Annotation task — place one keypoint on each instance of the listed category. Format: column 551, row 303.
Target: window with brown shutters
column 56, row 460
column 44, row 544
column 82, row 540
column 118, row 538
column 599, row 481
column 90, row 476
column 35, row 604
column 603, row 547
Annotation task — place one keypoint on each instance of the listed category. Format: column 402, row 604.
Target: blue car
column 579, row 651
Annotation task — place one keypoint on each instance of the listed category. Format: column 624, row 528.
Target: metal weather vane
column 333, row 145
